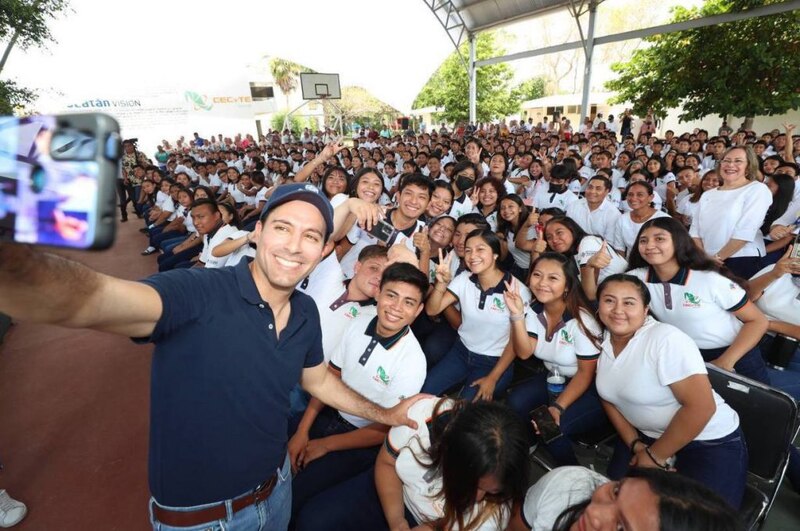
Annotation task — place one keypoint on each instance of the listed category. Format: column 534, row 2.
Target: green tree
column 744, row 68
column 448, row 87
column 24, row 23
column 530, row 89
column 286, row 75
column 359, row 105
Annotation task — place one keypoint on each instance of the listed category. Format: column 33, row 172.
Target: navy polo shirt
column 220, row 383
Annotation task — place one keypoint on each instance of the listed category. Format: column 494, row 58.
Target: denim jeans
column 719, row 464
column 271, row 514
column 435, row 337
column 461, row 366
column 744, row 266
column 750, row 365
column 352, row 505
column 584, row 415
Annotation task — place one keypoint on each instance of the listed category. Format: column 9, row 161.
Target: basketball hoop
column 324, row 87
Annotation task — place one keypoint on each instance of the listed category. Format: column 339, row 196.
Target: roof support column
column 473, row 85
column 587, row 69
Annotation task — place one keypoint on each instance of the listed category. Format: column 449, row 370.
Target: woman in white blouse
column 726, row 225
column 655, row 390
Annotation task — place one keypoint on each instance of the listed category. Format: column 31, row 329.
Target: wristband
column 514, row 318
column 558, row 406
column 665, row 466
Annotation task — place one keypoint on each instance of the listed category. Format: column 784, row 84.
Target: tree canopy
column 359, row 105
column 745, row 68
column 24, row 23
column 286, row 74
column 448, row 87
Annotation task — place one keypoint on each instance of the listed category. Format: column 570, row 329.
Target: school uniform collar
column 499, row 288
column 681, row 277
column 566, row 317
column 385, row 342
column 460, row 199
column 344, row 299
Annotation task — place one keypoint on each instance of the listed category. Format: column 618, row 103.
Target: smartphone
column 796, row 247
column 58, row 179
column 545, row 424
column 383, row 231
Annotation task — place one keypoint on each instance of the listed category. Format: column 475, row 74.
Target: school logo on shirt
column 381, row 376
column 690, row 300
column 564, row 338
column 498, row 305
column 352, row 313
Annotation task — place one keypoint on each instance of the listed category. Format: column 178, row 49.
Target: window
column 573, row 109
column 555, row 110
column 260, row 92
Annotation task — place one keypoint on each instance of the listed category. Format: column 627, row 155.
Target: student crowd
column 506, row 269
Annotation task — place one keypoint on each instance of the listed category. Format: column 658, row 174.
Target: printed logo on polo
column 564, row 337
column 352, row 313
column 381, row 376
column 690, row 300
column 498, row 305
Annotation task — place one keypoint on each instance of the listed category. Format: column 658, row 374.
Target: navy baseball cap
column 301, row 192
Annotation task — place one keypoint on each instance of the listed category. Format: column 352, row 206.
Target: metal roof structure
column 463, row 19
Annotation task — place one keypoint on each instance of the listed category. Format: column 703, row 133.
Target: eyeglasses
column 737, row 162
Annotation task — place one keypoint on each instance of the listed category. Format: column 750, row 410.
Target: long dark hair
column 683, row 504
column 687, row 254
column 780, row 201
column 577, row 232
column 575, row 298
column 503, row 226
column 468, row 442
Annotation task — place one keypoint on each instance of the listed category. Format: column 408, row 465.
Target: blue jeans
column 331, row 469
column 584, row 415
column 353, row 504
column 750, row 365
column 435, row 337
column 271, row 514
column 169, row 245
column 719, row 464
column 461, row 366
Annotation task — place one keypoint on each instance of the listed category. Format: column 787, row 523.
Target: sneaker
column 11, row 511
column 150, row 250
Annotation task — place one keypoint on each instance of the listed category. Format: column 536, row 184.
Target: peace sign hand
column 515, row 304
column 443, row 273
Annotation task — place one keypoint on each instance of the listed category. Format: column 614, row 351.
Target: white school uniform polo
column 384, row 370
column 780, row 301
column 218, row 237
column 544, row 199
column 491, row 219
column 732, row 214
column 336, row 312
column 567, row 345
column 700, row 303
column 590, row 246
column 600, row 221
column 245, row 250
column 237, row 195
column 560, row 488
column 521, row 258
column 359, row 239
column 626, row 231
column 637, row 381
column 485, row 328
column 326, row 278
column 422, row 485
column 461, row 205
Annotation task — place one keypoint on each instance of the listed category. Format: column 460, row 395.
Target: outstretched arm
column 46, row 288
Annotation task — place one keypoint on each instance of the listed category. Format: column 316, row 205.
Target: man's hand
column 398, row 415
column 315, row 449
column 297, row 449
column 421, row 241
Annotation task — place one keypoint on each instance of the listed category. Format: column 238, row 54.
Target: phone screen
column 545, row 424
column 48, row 183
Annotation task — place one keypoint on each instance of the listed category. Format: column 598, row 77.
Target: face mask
column 464, row 183
column 556, row 188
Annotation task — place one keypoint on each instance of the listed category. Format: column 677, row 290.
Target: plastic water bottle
column 555, row 383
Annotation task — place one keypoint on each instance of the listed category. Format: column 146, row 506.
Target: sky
column 390, row 47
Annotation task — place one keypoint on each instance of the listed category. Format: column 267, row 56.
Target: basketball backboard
column 320, row 86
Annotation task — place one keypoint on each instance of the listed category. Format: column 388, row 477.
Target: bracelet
column 665, row 466
column 561, row 409
column 632, row 446
column 514, row 318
